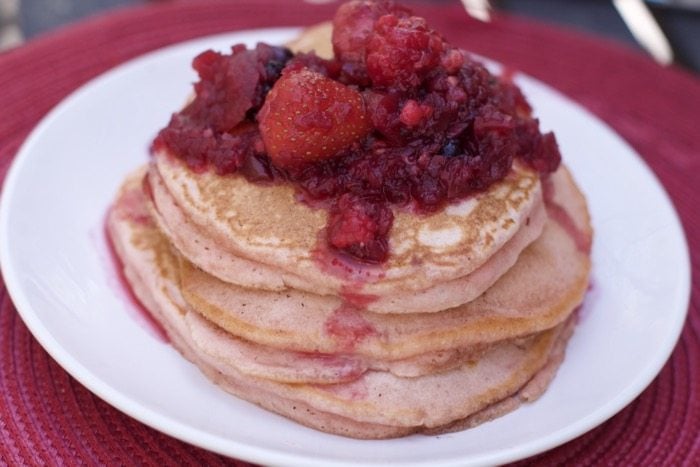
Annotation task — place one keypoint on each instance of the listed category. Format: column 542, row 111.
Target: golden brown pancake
column 540, row 291
column 377, row 403
column 281, row 333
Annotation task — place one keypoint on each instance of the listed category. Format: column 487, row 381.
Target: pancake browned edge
column 447, row 401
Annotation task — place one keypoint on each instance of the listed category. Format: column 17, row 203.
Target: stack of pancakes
column 468, row 318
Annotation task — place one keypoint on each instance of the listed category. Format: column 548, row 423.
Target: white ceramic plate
column 57, row 268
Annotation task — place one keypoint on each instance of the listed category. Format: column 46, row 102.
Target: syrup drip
column 131, row 207
column 343, row 267
column 348, row 327
column 561, row 216
column 346, row 324
column 351, row 295
column 133, row 305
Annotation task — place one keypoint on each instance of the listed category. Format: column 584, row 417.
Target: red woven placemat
column 47, row 417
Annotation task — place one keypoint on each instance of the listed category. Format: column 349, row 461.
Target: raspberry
column 360, row 227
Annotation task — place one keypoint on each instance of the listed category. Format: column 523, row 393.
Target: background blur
column 21, row 20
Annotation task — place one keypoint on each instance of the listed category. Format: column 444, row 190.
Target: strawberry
column 308, row 117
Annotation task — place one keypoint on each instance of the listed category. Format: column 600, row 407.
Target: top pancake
column 269, row 235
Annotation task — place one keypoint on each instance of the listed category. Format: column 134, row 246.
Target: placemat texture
column 46, row 417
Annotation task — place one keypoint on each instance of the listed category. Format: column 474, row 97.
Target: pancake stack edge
column 325, row 360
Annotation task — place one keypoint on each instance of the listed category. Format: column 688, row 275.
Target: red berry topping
column 308, row 117
column 398, row 119
column 360, row 227
column 402, row 51
column 353, row 24
column 413, row 113
column 226, row 89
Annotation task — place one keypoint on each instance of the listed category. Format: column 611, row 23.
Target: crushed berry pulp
column 429, row 125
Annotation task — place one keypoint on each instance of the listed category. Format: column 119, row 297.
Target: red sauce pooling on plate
column 143, row 316
column 399, row 118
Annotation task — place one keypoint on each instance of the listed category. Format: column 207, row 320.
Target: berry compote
column 399, row 118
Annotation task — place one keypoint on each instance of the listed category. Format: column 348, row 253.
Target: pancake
column 345, row 426
column 246, row 356
column 466, row 319
column 429, row 401
column 314, row 39
column 263, row 237
column 540, row 291
column 130, row 220
column 295, row 336
column 377, row 404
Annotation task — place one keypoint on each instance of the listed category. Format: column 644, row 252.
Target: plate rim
column 260, row 454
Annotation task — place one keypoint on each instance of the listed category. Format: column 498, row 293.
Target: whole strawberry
column 308, row 117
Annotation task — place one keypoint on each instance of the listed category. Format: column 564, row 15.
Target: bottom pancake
column 376, row 404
